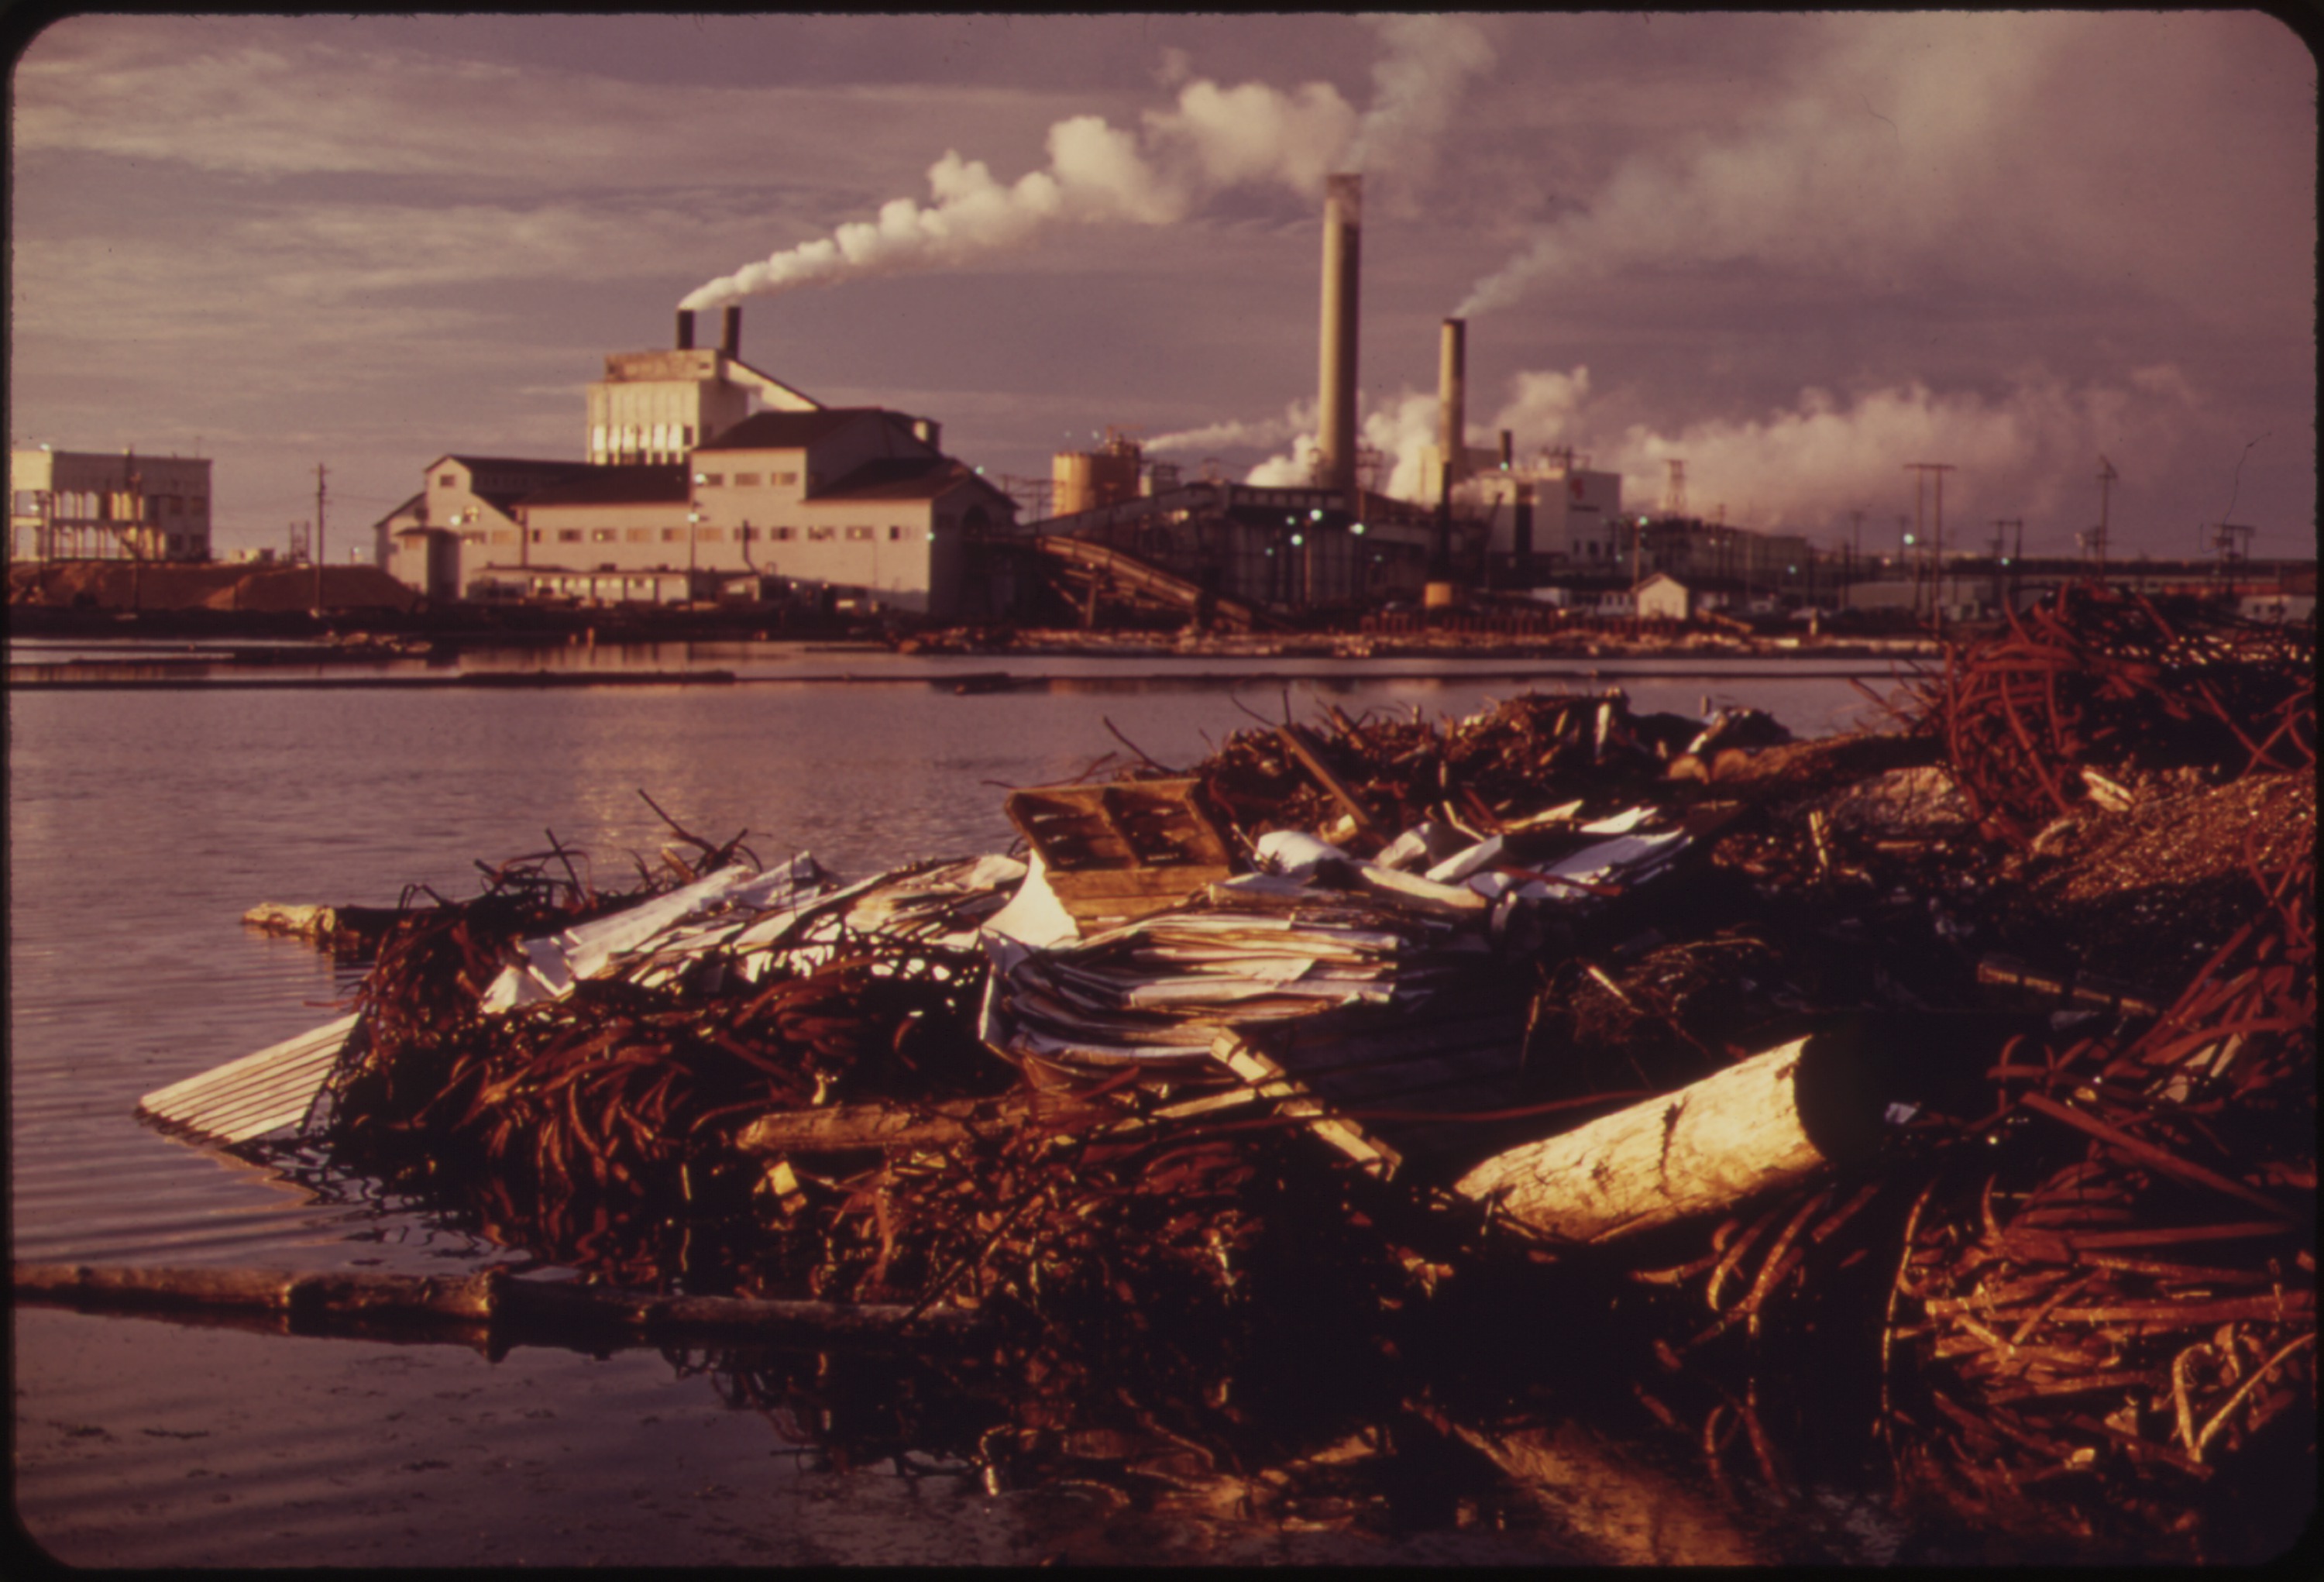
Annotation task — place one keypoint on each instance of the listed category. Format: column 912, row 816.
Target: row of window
column 748, row 480
column 676, row 535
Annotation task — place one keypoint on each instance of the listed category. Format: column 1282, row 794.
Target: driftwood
column 844, row 1128
column 344, row 928
column 489, row 1298
column 1769, row 1122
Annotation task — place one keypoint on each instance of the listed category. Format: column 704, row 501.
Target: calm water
column 142, row 824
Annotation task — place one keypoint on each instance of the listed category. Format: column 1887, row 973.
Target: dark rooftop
column 651, row 484
column 792, row 430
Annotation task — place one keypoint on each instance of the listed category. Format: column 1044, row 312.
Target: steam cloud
column 1212, row 139
column 2026, row 452
column 1878, row 158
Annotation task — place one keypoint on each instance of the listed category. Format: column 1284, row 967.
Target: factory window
column 688, row 431
column 640, row 535
column 448, row 480
column 746, row 480
column 536, row 535
column 894, row 533
column 858, row 534
column 604, row 535
column 472, row 538
column 177, row 543
column 709, row 535
column 670, row 535
column 782, row 535
column 502, row 536
column 714, row 479
column 568, row 535
column 194, row 503
column 818, row 535
column 787, row 479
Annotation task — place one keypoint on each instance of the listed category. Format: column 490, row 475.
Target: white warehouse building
column 688, row 490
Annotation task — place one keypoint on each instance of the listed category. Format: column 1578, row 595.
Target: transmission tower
column 2098, row 536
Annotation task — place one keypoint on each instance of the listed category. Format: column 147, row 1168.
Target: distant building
column 688, row 491
column 95, row 506
column 657, row 406
column 464, row 519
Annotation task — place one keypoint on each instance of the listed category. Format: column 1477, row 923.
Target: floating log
column 344, row 928
column 314, row 1298
column 1767, row 1123
column 845, row 1128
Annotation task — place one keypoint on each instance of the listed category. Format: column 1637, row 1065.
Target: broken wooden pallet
column 1117, row 853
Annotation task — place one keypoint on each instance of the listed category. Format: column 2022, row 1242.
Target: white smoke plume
column 1212, row 139
column 1882, row 152
column 1297, row 418
column 1417, row 86
column 2029, row 452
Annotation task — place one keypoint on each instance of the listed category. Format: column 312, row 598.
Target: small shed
column 1663, row 597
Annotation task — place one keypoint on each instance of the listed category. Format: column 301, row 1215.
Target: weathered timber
column 845, row 1128
column 1302, row 747
column 1769, row 1122
column 489, row 1298
column 344, row 928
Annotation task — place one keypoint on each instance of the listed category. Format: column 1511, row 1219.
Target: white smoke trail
column 1415, row 89
column 1212, row 139
column 2028, row 451
column 1297, row 418
column 1883, row 150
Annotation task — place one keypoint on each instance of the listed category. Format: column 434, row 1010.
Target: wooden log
column 315, row 1299
column 1769, row 1122
column 844, row 1128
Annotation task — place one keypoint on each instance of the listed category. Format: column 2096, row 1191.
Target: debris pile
column 2010, row 1012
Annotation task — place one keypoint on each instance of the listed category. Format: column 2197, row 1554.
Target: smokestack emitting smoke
column 1212, row 139
column 685, row 330
column 1335, row 442
column 730, row 332
column 1451, row 399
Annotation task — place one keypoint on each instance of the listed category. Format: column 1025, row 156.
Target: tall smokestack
column 684, row 329
column 1451, row 399
column 1343, row 213
column 730, row 332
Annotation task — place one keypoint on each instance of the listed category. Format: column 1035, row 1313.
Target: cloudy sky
column 1795, row 252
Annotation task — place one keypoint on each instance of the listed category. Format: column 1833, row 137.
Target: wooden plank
column 259, row 1093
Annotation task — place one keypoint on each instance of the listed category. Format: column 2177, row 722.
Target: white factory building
column 705, row 475
column 98, row 505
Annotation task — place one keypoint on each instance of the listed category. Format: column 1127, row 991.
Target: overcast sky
column 1796, row 252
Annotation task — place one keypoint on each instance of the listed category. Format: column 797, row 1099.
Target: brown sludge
column 2081, row 1246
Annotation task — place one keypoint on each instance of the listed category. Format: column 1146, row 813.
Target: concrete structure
column 1547, row 516
column 1282, row 548
column 857, row 502
column 1763, row 563
column 657, row 406
column 1336, row 435
column 94, row 506
column 464, row 518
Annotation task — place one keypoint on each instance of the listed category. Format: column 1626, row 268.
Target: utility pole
column 1998, row 545
column 318, row 538
column 1937, row 549
column 2107, row 476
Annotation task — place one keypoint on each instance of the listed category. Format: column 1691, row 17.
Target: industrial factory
column 706, row 478
column 95, row 506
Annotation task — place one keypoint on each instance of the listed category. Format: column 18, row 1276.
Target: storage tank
column 1085, row 480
